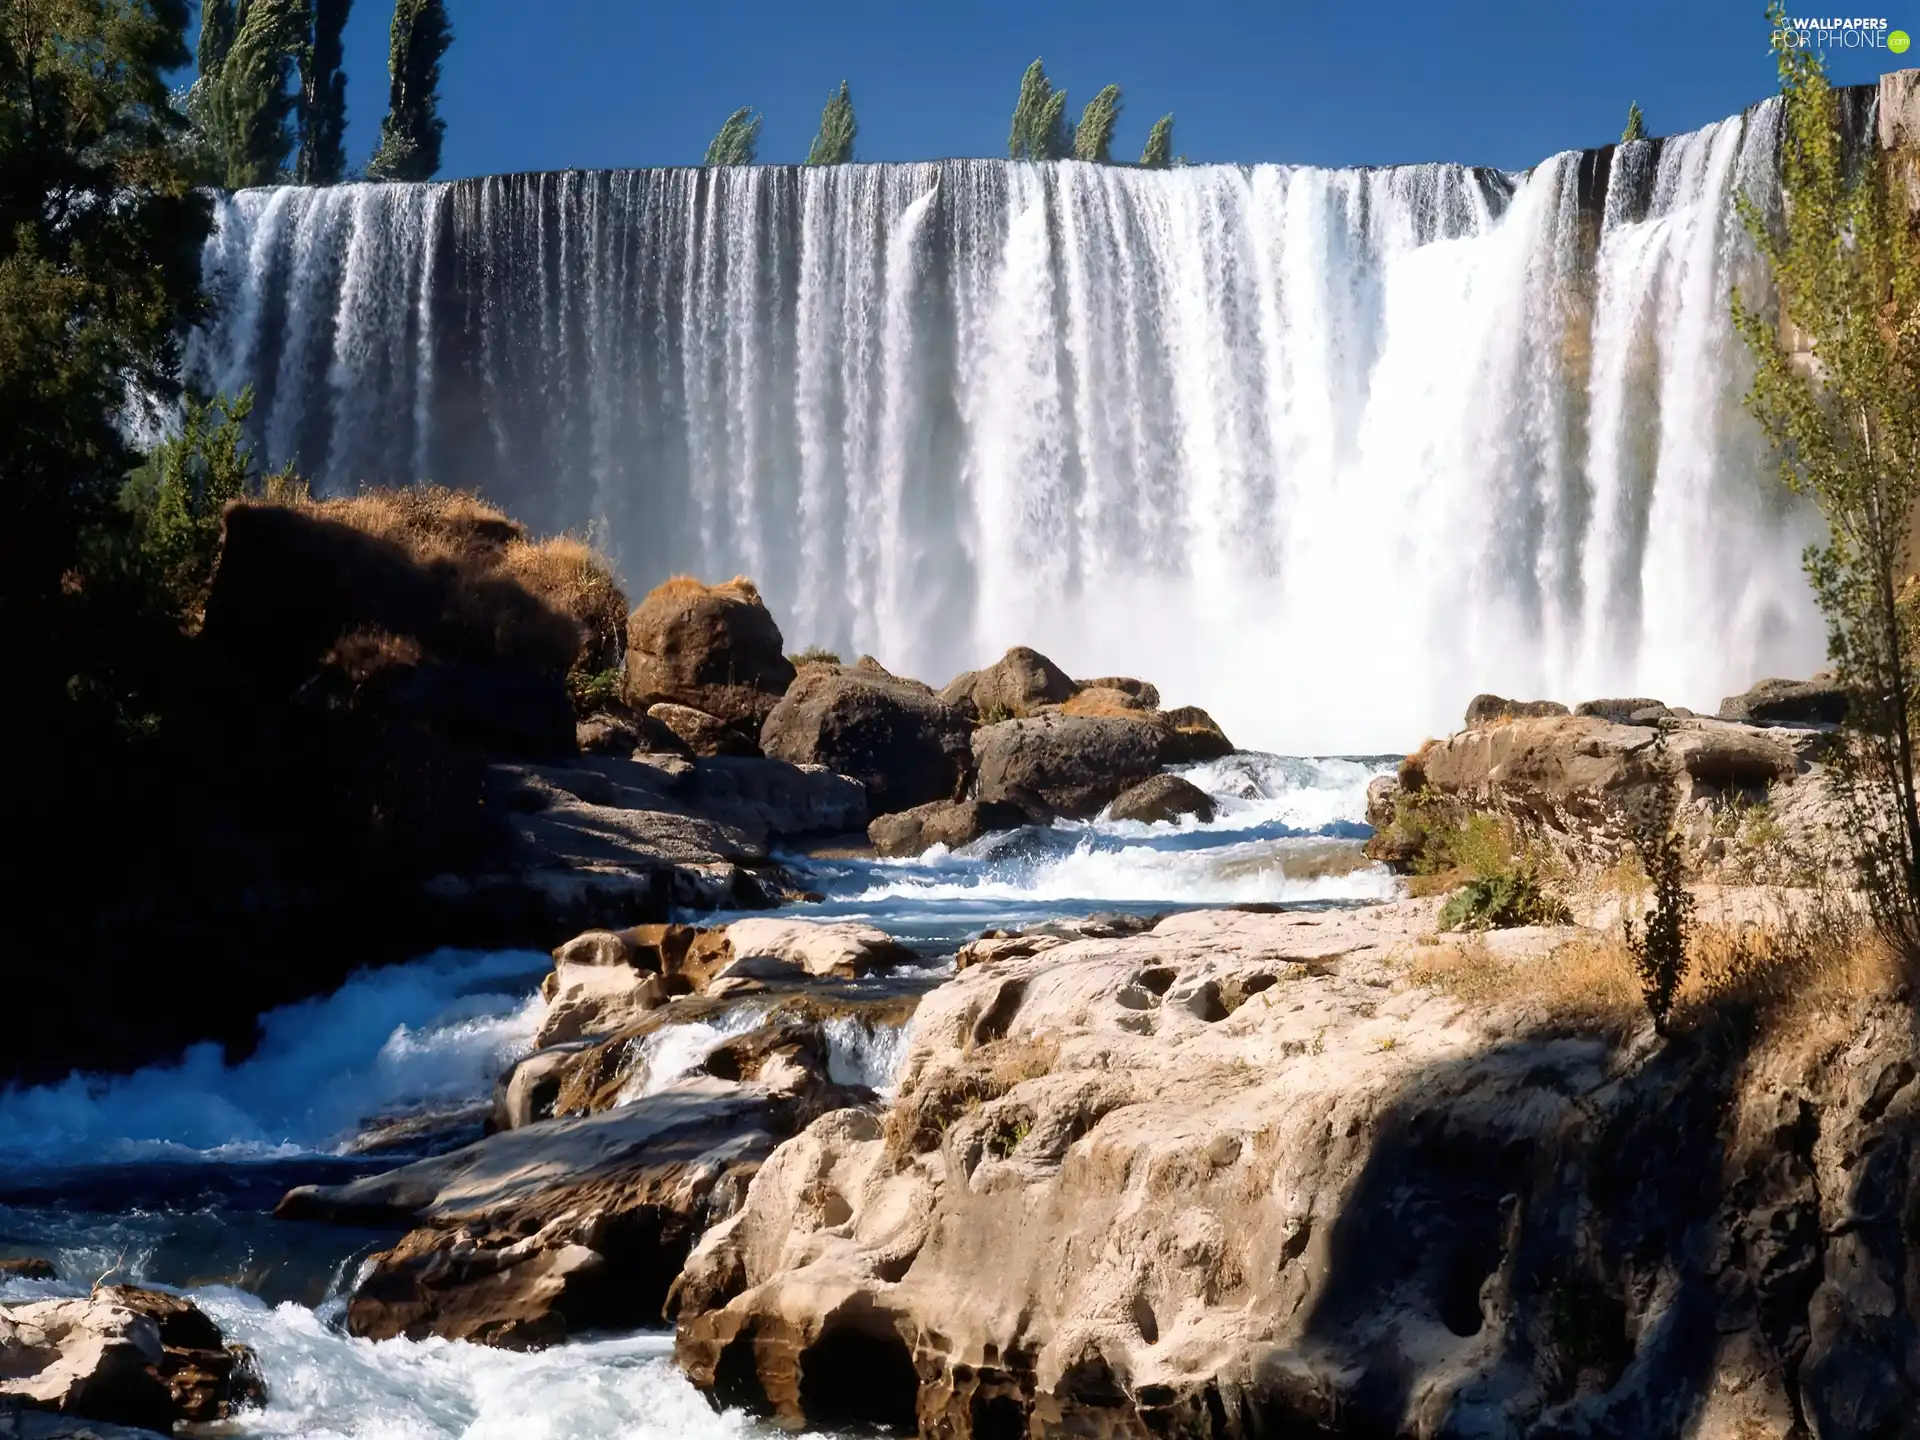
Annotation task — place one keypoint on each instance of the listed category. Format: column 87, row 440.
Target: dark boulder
column 1788, row 702
column 1624, row 711
column 714, row 648
column 1161, row 799
column 1016, row 684
column 1488, row 709
column 905, row 745
column 952, row 823
column 701, row 734
column 1071, row 765
column 1195, row 736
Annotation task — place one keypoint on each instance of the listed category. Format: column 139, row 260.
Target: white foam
column 670, row 1053
column 432, row 1032
column 859, row 1053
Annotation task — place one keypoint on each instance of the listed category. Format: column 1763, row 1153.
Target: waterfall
column 1326, row 451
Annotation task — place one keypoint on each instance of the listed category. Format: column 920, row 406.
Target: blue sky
column 593, row 83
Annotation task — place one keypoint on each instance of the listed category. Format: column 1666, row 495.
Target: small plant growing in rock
column 593, row 690
column 994, row 714
column 1503, row 887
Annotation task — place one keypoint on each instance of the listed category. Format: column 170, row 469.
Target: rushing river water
column 169, row 1176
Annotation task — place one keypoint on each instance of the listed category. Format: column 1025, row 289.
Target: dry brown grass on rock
column 1112, row 704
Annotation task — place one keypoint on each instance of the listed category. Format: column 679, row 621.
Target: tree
column 323, row 97
column 834, row 144
column 1846, row 425
column 1636, row 124
column 738, row 141
column 101, row 229
column 1093, row 136
column 1039, row 119
column 1158, row 152
column 243, row 101
column 410, row 135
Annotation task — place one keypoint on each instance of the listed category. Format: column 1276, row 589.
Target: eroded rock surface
column 1235, row 1177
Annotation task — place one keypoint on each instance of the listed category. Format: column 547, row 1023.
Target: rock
column 1788, row 702
column 1014, row 685
column 1624, row 712
column 788, row 800
column 952, row 823
column 905, row 746
column 593, row 998
column 1146, row 694
column 713, row 648
column 1162, row 799
column 843, row 948
column 1899, row 112
column 1485, row 710
column 124, row 1356
column 1051, row 1230
column 1383, row 800
column 1195, row 737
column 27, row 1267
column 605, row 733
column 702, row 734
column 1071, row 765
column 1096, row 700
column 526, row 1093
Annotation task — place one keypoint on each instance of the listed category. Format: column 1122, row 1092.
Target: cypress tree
column 1158, row 153
column 1093, row 137
column 1636, row 124
column 243, row 102
column 1039, row 129
column 323, row 98
column 410, row 135
column 834, row 144
column 738, row 141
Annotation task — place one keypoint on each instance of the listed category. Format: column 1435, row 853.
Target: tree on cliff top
column 1158, row 153
column 834, row 144
column 323, row 97
column 1636, row 124
column 1846, row 425
column 411, row 133
column 738, row 141
column 1039, row 129
column 243, row 101
column 1093, row 136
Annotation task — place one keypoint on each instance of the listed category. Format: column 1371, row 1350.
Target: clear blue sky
column 553, row 84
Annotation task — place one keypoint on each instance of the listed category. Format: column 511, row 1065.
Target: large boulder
column 1070, row 765
column 122, row 1355
column 1492, row 709
column 1016, row 684
column 713, row 648
column 906, row 746
column 841, row 948
column 952, row 823
column 1788, row 702
column 1624, row 710
column 1162, row 800
column 1195, row 736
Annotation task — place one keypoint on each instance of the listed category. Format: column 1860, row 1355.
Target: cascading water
column 1325, row 451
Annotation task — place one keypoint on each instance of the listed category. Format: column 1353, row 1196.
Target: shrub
column 594, row 690
column 815, row 655
column 1503, row 886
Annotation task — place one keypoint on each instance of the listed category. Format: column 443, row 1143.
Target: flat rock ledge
column 1237, row 1176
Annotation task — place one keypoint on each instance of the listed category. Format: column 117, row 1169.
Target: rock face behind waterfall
column 1231, row 1178
column 709, row 648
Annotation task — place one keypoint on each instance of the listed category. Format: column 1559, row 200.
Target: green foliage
column 100, row 237
column 323, row 97
column 1503, row 887
column 177, row 498
column 1093, row 137
column 1636, row 124
column 738, row 142
column 1658, row 943
column 242, row 104
column 593, row 690
column 1158, row 152
column 834, row 144
column 815, row 655
column 1846, row 269
column 1039, row 119
column 411, row 133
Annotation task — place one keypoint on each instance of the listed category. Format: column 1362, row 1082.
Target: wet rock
column 39, row 1425
column 1788, row 702
column 713, row 648
column 821, row 948
column 952, row 823
column 1162, row 799
column 703, row 734
column 1492, row 709
column 27, row 1267
column 903, row 744
column 122, row 1355
column 1195, row 736
column 1070, row 765
column 1014, row 685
